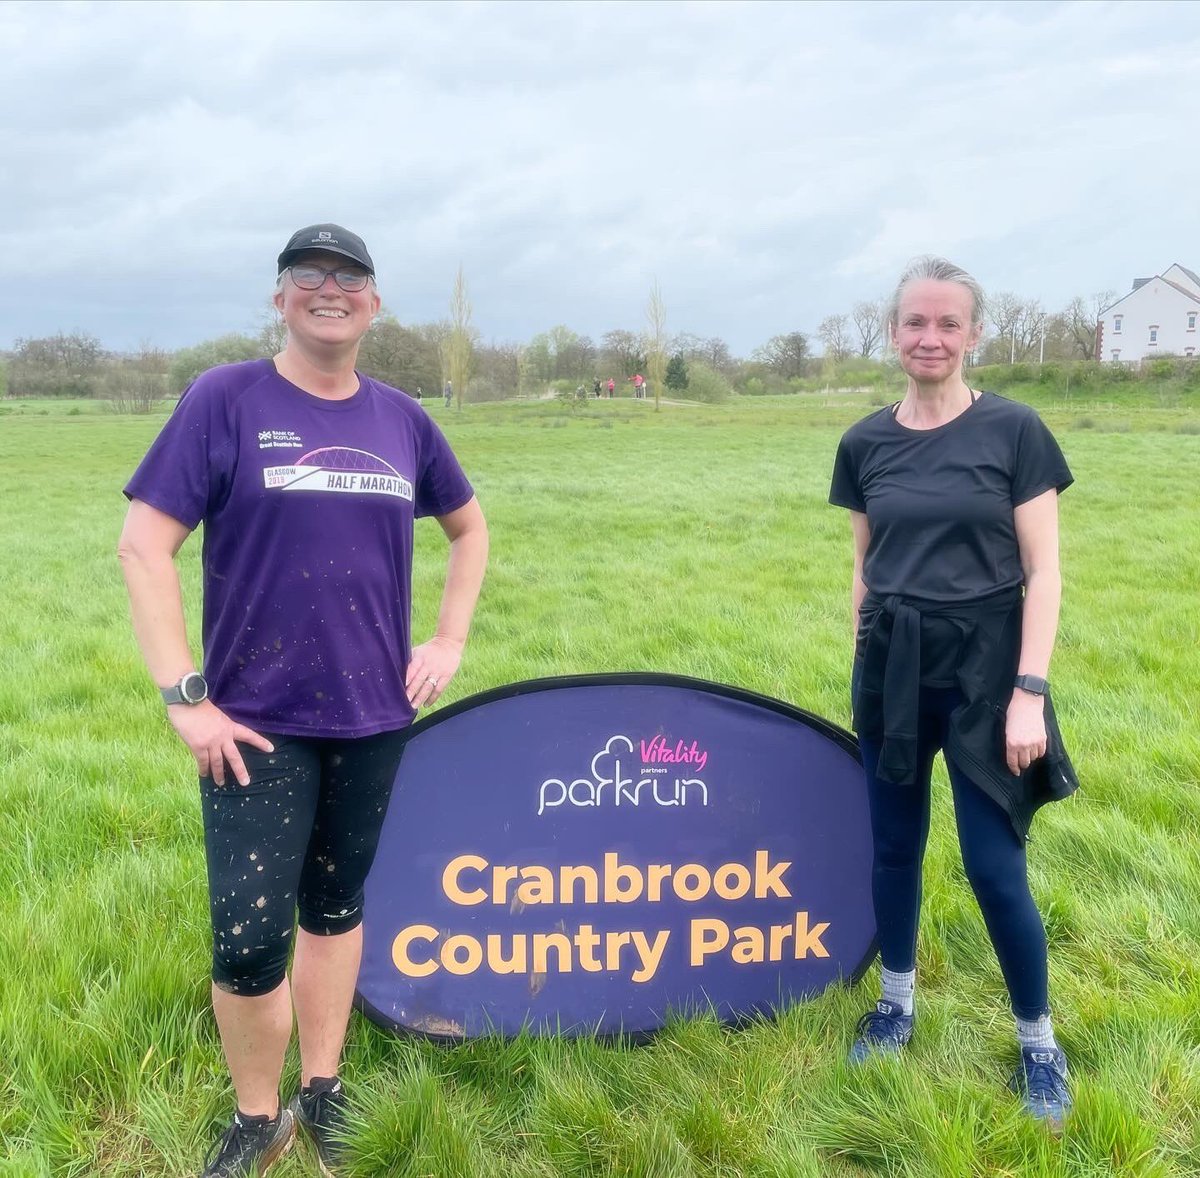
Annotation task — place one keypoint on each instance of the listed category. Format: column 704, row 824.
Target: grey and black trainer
column 882, row 1031
column 320, row 1109
column 1041, row 1082
column 251, row 1146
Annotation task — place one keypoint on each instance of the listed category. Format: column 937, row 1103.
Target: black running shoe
column 251, row 1146
column 320, row 1109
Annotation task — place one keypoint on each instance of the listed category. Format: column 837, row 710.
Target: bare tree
column 716, row 354
column 1005, row 311
column 713, row 351
column 460, row 341
column 1029, row 329
column 834, row 333
column 399, row 356
column 573, row 355
column 1080, row 318
column 1101, row 301
column 560, row 354
column 134, row 384
column 624, row 351
column 497, row 371
column 786, row 355
column 62, row 365
column 272, row 335
column 436, row 333
column 524, row 376
column 687, row 345
column 868, row 322
column 657, row 341
column 1020, row 325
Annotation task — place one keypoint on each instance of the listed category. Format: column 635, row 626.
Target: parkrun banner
column 590, row 854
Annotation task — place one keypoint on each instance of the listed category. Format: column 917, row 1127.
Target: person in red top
column 612, row 384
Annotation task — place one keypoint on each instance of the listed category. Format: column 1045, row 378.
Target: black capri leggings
column 301, row 836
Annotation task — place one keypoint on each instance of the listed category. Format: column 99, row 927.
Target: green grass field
column 696, row 541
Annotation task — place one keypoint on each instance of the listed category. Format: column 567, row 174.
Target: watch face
column 193, row 688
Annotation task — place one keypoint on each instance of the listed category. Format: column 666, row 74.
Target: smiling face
column 327, row 318
column 933, row 331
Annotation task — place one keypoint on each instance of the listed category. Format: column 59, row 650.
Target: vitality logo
column 613, row 780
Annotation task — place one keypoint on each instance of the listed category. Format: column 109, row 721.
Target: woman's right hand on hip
column 212, row 738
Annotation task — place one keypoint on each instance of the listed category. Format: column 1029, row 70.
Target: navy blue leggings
column 993, row 857
column 300, row 837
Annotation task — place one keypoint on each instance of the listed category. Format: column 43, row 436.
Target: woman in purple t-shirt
column 308, row 477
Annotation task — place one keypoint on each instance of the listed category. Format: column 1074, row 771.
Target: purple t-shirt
column 308, row 509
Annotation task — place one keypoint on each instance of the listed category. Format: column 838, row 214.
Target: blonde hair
column 930, row 266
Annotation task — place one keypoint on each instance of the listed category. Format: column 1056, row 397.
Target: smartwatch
column 1032, row 684
column 192, row 689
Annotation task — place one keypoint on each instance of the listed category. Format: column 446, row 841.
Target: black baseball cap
column 329, row 237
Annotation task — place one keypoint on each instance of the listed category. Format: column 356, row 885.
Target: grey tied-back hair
column 940, row 270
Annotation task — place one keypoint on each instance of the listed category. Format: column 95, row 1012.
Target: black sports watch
column 192, row 689
column 1032, row 684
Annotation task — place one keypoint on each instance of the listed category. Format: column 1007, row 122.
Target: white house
column 1160, row 316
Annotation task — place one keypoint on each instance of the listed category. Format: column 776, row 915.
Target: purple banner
column 588, row 855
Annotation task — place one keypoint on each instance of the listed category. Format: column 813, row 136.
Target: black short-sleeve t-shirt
column 940, row 502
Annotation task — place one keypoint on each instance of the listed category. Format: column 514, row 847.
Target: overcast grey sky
column 768, row 164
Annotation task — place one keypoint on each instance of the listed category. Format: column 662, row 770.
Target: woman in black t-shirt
column 953, row 495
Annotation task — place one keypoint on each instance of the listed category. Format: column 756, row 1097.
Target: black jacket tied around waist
column 887, row 699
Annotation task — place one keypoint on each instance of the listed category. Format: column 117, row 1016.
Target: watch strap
column 172, row 694
column 176, row 695
column 1034, row 684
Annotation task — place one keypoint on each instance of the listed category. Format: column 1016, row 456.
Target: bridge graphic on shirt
column 339, row 469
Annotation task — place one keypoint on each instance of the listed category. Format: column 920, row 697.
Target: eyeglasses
column 309, row 277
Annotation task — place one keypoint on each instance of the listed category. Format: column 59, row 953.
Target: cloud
column 767, row 164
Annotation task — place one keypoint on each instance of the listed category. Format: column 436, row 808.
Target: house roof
column 1191, row 294
column 1190, row 273
column 1138, row 283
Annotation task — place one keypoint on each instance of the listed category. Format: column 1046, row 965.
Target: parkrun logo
column 613, row 782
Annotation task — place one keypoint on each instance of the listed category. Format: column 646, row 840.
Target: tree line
column 1016, row 330
column 422, row 356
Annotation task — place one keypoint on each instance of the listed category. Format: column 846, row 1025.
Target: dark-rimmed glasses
column 309, row 277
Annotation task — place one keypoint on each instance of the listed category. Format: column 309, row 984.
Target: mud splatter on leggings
column 300, row 837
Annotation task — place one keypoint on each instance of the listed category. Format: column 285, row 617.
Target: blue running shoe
column 1041, row 1082
column 882, row 1031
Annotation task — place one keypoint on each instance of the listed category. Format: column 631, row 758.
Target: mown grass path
column 694, row 541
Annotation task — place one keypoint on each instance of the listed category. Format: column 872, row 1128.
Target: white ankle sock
column 1035, row 1034
column 898, row 988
